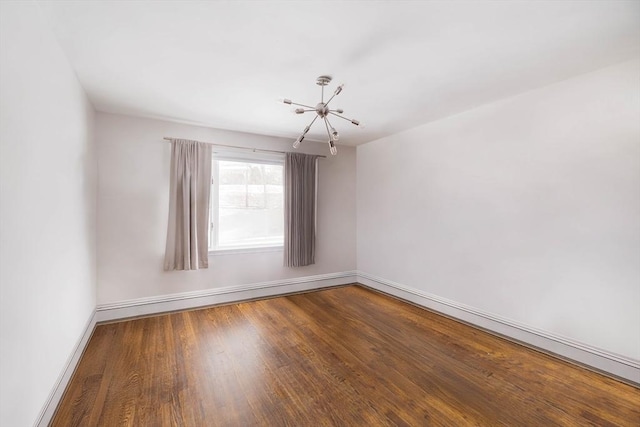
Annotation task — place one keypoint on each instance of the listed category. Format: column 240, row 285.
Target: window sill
column 214, row 252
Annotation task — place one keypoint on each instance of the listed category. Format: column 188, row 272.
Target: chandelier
column 322, row 110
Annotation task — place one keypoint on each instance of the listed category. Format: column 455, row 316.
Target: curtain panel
column 189, row 192
column 300, row 209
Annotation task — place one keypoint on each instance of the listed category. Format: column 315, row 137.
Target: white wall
column 133, row 205
column 47, row 213
column 527, row 208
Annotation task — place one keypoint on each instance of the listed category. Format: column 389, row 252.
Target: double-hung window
column 247, row 201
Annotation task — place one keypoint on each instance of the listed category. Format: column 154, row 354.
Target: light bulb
column 299, row 110
column 339, row 89
column 339, row 111
column 296, row 143
column 332, row 148
column 334, row 134
column 355, row 122
column 306, row 130
column 285, row 100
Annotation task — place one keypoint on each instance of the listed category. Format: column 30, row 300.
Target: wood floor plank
column 346, row 356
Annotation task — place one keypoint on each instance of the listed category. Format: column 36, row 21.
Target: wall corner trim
column 51, row 404
column 615, row 365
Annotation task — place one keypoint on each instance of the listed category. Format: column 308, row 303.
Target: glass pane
column 251, row 204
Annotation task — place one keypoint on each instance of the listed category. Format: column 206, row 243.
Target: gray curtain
column 299, row 209
column 190, row 187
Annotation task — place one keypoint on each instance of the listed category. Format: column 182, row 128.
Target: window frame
column 245, row 157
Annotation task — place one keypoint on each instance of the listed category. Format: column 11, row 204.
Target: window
column 247, row 201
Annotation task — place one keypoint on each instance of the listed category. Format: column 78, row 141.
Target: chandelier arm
column 332, row 96
column 337, row 92
column 326, row 124
column 338, row 115
column 302, row 105
column 334, row 132
column 342, row 117
column 313, row 121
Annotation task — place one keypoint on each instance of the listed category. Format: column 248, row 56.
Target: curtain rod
column 237, row 146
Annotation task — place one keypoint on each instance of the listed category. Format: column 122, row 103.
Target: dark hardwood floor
column 339, row 357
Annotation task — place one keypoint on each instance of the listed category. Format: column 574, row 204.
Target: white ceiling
column 404, row 63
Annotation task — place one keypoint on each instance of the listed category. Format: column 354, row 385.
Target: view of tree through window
column 250, row 204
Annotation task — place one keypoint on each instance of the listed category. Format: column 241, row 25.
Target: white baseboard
column 49, row 408
column 182, row 301
column 229, row 294
column 616, row 365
